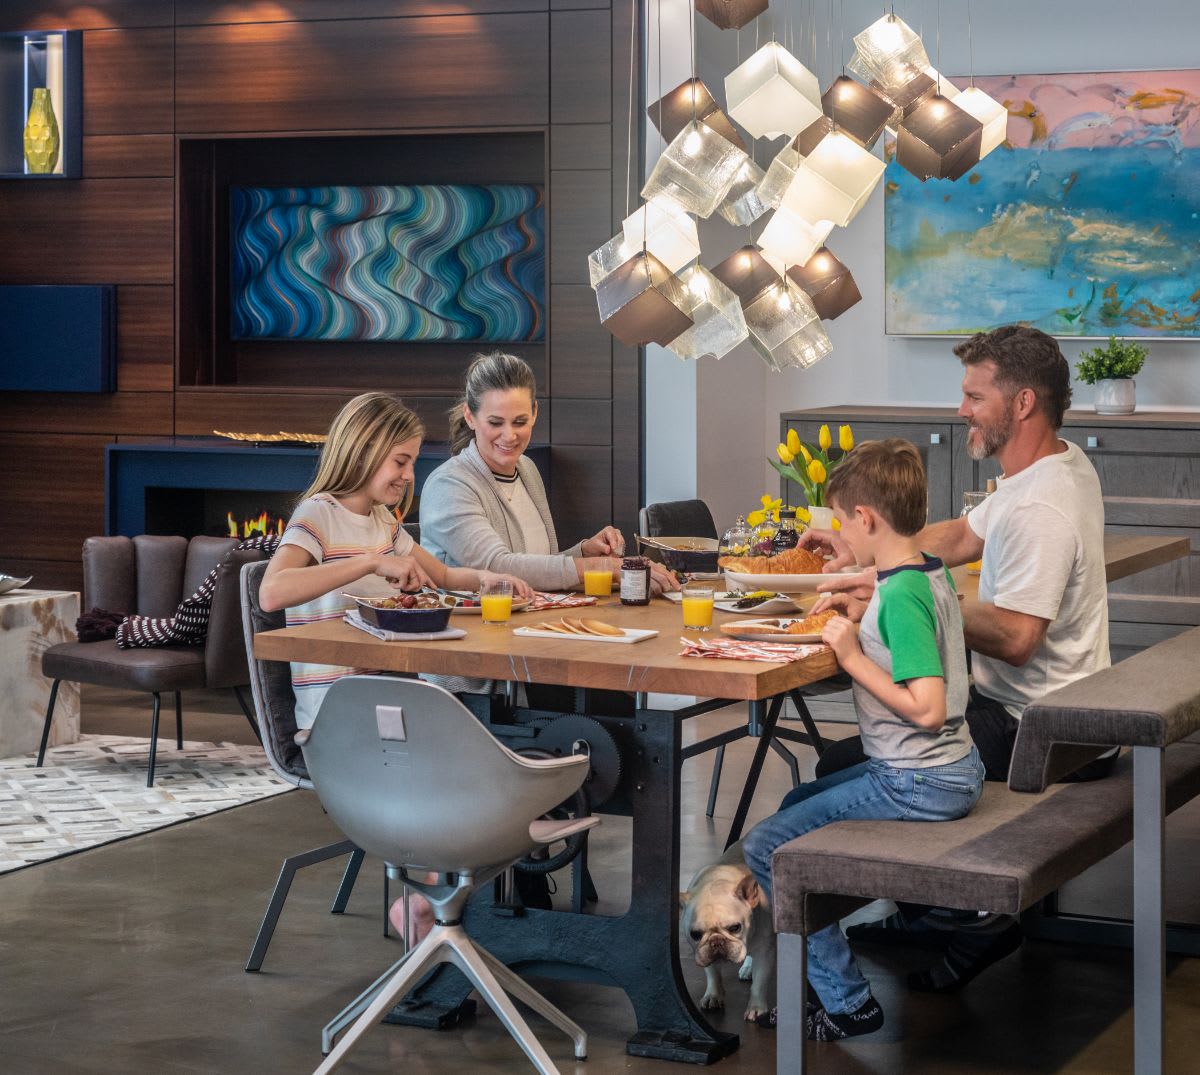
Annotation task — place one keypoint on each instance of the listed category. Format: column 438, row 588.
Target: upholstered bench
column 1023, row 841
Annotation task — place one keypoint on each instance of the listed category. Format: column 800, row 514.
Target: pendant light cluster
column 650, row 286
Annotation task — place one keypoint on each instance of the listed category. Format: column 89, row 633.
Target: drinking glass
column 495, row 601
column 597, row 582
column 697, row 606
column 972, row 500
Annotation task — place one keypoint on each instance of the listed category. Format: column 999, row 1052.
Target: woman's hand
column 827, row 543
column 661, row 580
column 847, row 604
column 608, row 542
column 403, row 572
column 841, row 637
column 521, row 589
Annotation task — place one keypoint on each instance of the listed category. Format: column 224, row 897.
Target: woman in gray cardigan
column 486, row 507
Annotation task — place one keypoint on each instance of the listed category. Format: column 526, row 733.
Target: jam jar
column 635, row 581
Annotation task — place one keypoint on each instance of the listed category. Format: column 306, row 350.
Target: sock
column 970, row 953
column 811, row 1006
column 865, row 1019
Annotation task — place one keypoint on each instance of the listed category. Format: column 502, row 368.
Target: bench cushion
column 172, row 668
column 1009, row 852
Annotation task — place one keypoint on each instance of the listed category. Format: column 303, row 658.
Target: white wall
column 738, row 401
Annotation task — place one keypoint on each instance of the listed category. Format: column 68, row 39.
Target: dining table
column 637, row 950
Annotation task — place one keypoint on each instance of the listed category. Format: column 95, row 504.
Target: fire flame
column 264, row 524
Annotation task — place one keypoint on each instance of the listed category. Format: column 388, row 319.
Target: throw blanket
column 189, row 625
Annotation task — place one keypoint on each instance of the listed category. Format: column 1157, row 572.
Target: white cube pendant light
column 792, row 238
column 890, row 52
column 695, row 170
column 773, row 93
column 989, row 112
column 716, row 312
column 743, row 203
column 834, row 181
column 666, row 230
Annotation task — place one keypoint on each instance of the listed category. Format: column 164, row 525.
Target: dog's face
column 717, row 914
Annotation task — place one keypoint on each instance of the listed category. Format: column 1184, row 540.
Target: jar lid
column 635, row 563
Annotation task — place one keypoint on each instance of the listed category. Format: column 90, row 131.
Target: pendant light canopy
column 696, row 169
column 687, row 101
column 642, row 302
column 730, row 14
column 939, row 140
column 827, row 282
column 666, row 230
column 989, row 112
column 890, row 52
column 716, row 312
column 858, row 110
column 773, row 93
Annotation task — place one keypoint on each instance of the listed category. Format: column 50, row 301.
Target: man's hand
column 827, row 543
column 860, row 585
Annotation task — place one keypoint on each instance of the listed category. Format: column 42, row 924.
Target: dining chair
column 150, row 575
column 275, row 711
column 677, row 518
column 409, row 774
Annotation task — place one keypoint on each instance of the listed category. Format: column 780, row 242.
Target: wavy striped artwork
column 430, row 263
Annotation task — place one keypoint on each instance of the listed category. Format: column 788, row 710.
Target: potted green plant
column 1112, row 369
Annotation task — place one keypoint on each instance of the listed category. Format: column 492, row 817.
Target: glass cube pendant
column 834, row 181
column 938, row 141
column 780, row 173
column 642, row 302
column 858, row 110
column 696, row 169
column 989, row 112
column 743, row 204
column 773, row 93
column 793, row 238
column 889, row 51
column 610, row 256
column 730, row 14
column 716, row 312
column 827, row 282
column 687, row 101
column 666, row 230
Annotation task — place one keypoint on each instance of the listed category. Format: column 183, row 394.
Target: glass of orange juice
column 495, row 601
column 597, row 582
column 697, row 605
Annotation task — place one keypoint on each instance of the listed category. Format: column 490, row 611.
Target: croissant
column 790, row 562
column 812, row 625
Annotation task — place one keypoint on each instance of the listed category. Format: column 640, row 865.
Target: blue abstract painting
column 1086, row 222
column 422, row 262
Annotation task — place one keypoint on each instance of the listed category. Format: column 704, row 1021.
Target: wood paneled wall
column 157, row 72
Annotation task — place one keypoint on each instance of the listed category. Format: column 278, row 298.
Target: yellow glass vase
column 41, row 134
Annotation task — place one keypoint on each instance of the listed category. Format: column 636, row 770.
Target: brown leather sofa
column 150, row 575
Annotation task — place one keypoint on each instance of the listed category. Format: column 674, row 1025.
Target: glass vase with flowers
column 809, row 466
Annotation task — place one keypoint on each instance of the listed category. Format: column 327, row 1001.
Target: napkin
column 736, row 650
column 558, row 600
column 355, row 620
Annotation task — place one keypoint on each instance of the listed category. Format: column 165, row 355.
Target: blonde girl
column 345, row 533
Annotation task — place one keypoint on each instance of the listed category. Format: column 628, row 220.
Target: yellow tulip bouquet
column 809, row 466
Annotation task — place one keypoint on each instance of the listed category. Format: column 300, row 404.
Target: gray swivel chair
column 677, row 518
column 409, row 774
column 275, row 710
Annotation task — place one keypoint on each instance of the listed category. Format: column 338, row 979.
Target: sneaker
column 967, row 956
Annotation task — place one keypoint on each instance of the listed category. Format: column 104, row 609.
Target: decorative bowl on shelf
column 11, row 582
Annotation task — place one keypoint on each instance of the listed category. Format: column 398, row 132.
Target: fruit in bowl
column 407, row 613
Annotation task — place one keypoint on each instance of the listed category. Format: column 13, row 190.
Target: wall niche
column 208, row 357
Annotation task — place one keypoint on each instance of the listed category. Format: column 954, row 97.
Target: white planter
column 1116, row 396
column 820, row 518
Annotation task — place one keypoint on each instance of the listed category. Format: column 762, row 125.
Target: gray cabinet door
column 932, row 440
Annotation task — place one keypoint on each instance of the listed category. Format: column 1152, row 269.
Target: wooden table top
column 494, row 652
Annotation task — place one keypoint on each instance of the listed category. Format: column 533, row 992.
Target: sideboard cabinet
column 1149, row 468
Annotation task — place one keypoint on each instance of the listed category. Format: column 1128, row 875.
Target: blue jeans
column 869, row 791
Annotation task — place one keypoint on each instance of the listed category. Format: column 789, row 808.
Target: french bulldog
column 726, row 918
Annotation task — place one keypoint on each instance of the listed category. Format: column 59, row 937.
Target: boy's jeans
column 870, row 791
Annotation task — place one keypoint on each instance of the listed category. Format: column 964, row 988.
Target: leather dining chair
column 150, row 575
column 408, row 773
column 275, row 710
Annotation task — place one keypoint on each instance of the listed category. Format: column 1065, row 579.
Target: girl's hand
column 841, row 637
column 522, row 591
column 847, row 604
column 403, row 572
column 608, row 542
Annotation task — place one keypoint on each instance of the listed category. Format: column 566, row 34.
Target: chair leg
column 810, row 725
column 248, row 713
column 523, row 991
column 718, row 762
column 154, row 715
column 275, row 907
column 348, row 879
column 178, row 721
column 792, row 764
column 49, row 721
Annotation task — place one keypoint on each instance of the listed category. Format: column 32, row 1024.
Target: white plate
column 519, row 603
column 731, row 629
column 10, row 582
column 632, row 634
column 785, row 583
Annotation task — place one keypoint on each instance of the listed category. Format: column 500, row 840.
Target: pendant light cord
column 970, row 44
column 634, row 21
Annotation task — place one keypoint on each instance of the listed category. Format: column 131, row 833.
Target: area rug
column 94, row 792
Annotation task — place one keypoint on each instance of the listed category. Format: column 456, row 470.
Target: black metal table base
column 637, row 951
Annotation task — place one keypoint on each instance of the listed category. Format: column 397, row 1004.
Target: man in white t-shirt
column 1042, row 616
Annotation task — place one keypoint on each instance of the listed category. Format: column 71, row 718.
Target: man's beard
column 990, row 438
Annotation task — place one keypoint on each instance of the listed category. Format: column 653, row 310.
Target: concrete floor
column 128, row 958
